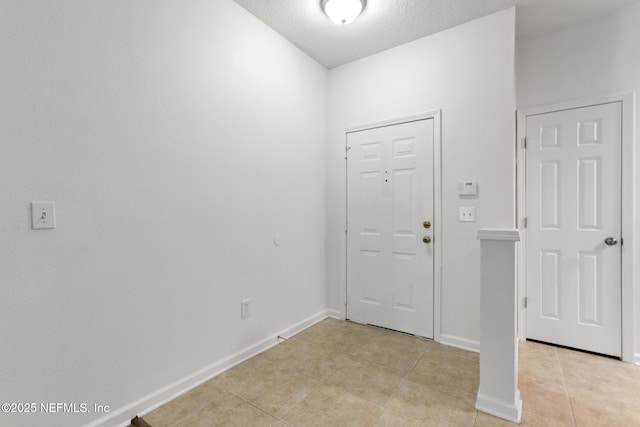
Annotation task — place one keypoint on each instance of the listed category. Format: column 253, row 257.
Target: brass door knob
column 426, row 224
column 426, row 239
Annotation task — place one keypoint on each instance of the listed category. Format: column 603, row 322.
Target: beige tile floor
column 338, row 373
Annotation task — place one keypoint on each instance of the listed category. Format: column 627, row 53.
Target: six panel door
column 389, row 198
column 573, row 248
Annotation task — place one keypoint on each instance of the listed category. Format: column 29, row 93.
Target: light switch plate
column 467, row 214
column 43, row 215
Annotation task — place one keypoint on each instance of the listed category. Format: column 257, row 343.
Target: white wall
column 176, row 139
column 597, row 58
column 468, row 73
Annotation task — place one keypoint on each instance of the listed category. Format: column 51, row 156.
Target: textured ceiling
column 541, row 16
column 388, row 23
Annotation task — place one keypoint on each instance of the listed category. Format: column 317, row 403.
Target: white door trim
column 630, row 163
column 437, row 208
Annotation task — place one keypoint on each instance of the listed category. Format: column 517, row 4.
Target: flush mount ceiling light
column 342, row 11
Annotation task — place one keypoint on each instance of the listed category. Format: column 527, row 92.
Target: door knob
column 611, row 241
column 426, row 224
column 426, row 239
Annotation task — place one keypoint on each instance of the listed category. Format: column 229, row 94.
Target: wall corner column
column 498, row 394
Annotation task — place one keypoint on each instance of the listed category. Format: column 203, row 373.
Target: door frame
column 629, row 209
column 437, row 207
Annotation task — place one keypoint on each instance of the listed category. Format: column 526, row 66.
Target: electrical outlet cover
column 244, row 308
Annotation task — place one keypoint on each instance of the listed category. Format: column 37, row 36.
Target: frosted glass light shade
column 342, row 11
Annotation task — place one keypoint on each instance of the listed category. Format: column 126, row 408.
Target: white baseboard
column 458, row 342
column 122, row 416
column 335, row 314
column 499, row 408
column 637, row 359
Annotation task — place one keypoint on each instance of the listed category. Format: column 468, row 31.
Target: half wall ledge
column 498, row 393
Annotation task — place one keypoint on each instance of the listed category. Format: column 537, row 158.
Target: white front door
column 573, row 233
column 389, row 208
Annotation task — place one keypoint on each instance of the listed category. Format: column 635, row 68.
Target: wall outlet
column 467, row 214
column 244, row 308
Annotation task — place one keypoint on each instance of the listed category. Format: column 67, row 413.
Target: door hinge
column 524, row 222
column 526, row 300
column 346, row 226
column 346, row 149
column 524, row 143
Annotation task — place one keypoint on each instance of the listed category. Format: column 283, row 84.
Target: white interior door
column 389, row 198
column 573, row 234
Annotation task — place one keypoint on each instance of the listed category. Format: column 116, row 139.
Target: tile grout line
column 475, row 419
column 260, row 409
column 404, row 379
column 351, row 353
column 566, row 389
column 402, row 383
column 198, row 408
column 296, row 371
column 358, row 353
